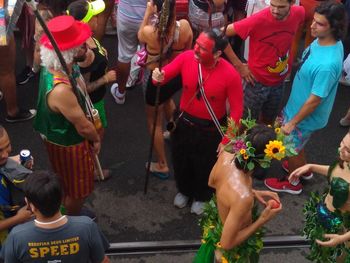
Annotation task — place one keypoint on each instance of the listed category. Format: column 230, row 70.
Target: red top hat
column 67, row 32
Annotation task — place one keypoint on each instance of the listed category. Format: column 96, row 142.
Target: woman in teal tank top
column 327, row 216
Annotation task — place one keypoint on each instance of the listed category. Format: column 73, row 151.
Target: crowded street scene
column 174, row 131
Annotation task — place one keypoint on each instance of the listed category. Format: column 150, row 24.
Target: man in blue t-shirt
column 53, row 237
column 314, row 88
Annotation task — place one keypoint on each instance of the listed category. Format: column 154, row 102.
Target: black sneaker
column 26, row 74
column 22, row 115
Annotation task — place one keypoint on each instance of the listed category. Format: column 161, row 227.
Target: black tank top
column 97, row 69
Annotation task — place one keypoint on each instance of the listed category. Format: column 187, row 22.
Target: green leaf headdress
column 236, row 142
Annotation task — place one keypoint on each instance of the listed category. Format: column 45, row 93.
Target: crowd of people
column 227, row 127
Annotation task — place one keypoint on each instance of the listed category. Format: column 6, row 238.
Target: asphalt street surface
column 126, row 214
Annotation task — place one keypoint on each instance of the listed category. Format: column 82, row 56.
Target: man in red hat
column 62, row 112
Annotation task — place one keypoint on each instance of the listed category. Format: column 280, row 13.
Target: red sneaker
column 283, row 185
column 306, row 176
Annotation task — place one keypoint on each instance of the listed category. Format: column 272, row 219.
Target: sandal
column 159, row 174
column 107, row 174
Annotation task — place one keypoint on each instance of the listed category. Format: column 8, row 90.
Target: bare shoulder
column 61, row 95
column 147, row 34
column 185, row 28
column 225, row 159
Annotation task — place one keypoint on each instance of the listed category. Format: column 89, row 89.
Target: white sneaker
column 166, row 135
column 180, row 200
column 344, row 122
column 118, row 97
column 197, row 207
column 344, row 81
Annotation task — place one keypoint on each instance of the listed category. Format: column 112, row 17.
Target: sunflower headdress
column 236, row 142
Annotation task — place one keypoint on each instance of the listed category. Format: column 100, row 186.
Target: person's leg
column 26, row 25
column 7, row 76
column 74, row 165
column 123, row 70
column 254, row 97
column 127, row 46
column 181, row 143
column 205, row 157
column 298, row 138
column 159, row 148
column 8, row 84
column 272, row 105
column 169, row 109
column 296, row 161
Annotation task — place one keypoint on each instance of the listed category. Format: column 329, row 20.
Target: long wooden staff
column 72, row 80
column 163, row 21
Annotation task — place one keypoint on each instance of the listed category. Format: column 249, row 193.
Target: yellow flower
column 277, row 130
column 223, row 260
column 218, row 245
column 203, row 241
column 275, row 150
column 242, row 151
column 245, row 156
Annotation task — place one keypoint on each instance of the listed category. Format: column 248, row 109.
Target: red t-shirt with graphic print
column 270, row 43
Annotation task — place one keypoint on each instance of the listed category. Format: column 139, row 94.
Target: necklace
column 50, row 222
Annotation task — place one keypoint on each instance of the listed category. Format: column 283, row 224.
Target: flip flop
column 107, row 174
column 159, row 174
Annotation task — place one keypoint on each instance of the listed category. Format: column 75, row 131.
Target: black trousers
column 194, row 155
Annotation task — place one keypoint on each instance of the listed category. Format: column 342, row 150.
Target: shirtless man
column 235, row 196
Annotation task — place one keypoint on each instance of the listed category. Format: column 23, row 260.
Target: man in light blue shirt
column 314, row 88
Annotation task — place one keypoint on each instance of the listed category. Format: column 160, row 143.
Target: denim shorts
column 262, row 101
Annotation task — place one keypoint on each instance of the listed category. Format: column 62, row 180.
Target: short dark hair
column 259, row 136
column 78, row 9
column 336, row 15
column 44, row 191
column 218, row 37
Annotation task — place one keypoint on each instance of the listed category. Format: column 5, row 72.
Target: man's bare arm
column 242, row 68
column 63, row 100
column 232, row 235
column 145, row 29
column 21, row 216
column 232, row 227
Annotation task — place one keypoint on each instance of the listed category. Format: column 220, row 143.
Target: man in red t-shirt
column 196, row 138
column 271, row 33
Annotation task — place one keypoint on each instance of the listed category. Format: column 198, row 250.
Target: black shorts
column 166, row 91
